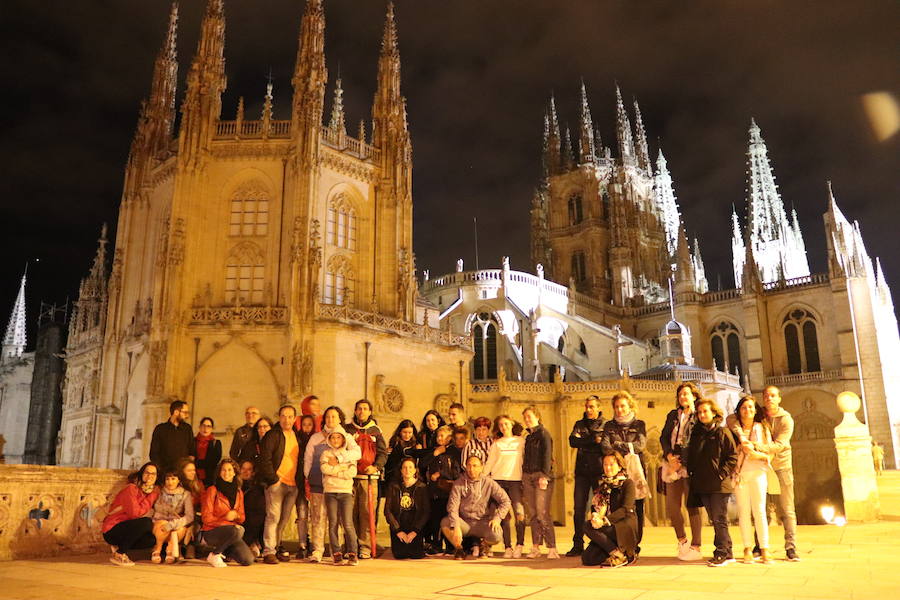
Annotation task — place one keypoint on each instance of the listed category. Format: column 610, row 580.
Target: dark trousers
column 639, row 512
column 134, row 533
column 514, row 490
column 228, row 540
column 584, row 485
column 415, row 549
column 253, row 529
column 602, row 543
column 433, row 535
column 716, row 505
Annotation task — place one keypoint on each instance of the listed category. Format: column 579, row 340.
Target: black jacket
column 538, row 452
column 208, row 464
column 447, row 464
column 241, row 436
column 587, row 436
column 711, row 459
column 271, row 451
column 621, row 515
column 616, row 438
column 398, row 453
column 665, row 438
column 407, row 508
column 170, row 444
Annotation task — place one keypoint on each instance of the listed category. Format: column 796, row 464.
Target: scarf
column 625, row 420
column 202, row 447
column 147, row 488
column 227, row 489
column 607, row 485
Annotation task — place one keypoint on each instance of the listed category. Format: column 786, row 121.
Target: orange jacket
column 216, row 506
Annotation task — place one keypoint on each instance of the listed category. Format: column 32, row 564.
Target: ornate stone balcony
column 423, row 332
column 804, row 378
column 238, row 315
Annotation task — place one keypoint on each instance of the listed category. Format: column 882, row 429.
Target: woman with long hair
column 751, row 431
column 307, row 427
column 254, row 508
column 401, row 443
column 406, row 510
column 207, row 451
column 250, row 451
column 187, row 473
column 128, row 525
column 222, row 513
column 431, row 422
column 612, row 527
column 625, row 433
column 674, row 439
column 537, row 483
column 504, row 465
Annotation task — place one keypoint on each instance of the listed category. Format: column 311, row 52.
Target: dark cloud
column 477, row 76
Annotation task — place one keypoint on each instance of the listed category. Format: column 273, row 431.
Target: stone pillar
column 854, row 449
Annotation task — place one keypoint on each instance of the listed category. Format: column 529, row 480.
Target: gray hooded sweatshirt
column 469, row 499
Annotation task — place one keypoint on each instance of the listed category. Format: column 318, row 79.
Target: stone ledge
column 48, row 510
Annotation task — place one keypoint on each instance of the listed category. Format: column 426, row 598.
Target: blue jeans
column 340, row 513
column 716, row 505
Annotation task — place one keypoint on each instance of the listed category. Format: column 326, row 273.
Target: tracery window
column 484, row 338
column 245, row 274
column 339, row 281
column 801, row 342
column 249, row 211
column 341, row 224
column 576, row 213
column 579, row 267
column 726, row 348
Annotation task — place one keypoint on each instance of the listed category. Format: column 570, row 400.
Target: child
column 338, row 471
column 442, row 468
column 173, row 515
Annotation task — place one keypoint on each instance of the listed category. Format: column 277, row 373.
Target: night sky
column 477, row 76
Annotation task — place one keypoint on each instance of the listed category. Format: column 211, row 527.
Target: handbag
column 635, row 472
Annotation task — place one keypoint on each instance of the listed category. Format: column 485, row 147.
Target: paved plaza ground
column 853, row 562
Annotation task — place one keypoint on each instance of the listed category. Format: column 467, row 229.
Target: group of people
column 456, row 487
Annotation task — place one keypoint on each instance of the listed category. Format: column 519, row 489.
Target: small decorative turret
column 337, row 122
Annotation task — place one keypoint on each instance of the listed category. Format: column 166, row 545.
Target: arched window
column 244, row 274
column 801, row 342
column 576, row 214
column 726, row 348
column 579, row 267
column 249, row 211
column 339, row 282
column 341, row 226
column 484, row 337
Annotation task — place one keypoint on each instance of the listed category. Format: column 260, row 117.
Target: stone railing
column 257, row 315
column 252, row 130
column 541, row 388
column 340, row 141
column 393, row 325
column 701, row 376
column 47, row 511
column 805, row 281
column 803, row 378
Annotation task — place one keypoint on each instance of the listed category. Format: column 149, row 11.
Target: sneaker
column 316, row 556
column 352, row 559
column 615, row 560
column 476, row 551
column 282, row 554
column 508, row 553
column 486, row 551
column 518, row 551
column 337, row 558
column 460, row 554
column 748, row 557
column 121, row 560
column 365, row 555
column 552, row 554
column 756, row 551
column 269, row 559
column 717, row 561
column 215, row 560
column 575, row 551
column 190, row 551
column 692, row 554
column 682, row 549
column 535, row 552
column 155, row 558
column 791, row 555
column 764, row 557
column 301, row 553
column 630, row 560
column 171, row 559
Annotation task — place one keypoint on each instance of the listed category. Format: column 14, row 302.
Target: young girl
column 338, row 471
column 537, row 483
column 207, row 451
column 442, row 468
column 612, row 528
column 406, row 511
column 187, row 472
column 223, row 513
column 750, row 429
column 173, row 516
column 127, row 524
column 504, row 465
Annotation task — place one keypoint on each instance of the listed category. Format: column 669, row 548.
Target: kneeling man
column 469, row 509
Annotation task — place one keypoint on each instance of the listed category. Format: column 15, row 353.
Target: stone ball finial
column 848, row 402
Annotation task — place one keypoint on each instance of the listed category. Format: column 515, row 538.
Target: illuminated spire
column 586, row 148
column 643, row 152
column 554, row 157
column 665, row 203
column 737, row 248
column 14, row 340
column 623, row 129
column 338, row 123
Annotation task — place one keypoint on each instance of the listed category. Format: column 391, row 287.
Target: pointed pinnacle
column 170, row 45
column 389, row 40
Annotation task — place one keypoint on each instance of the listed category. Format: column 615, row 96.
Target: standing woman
column 431, row 422
column 222, row 513
column 250, row 451
column 751, row 431
column 128, row 524
column 625, row 433
column 711, row 462
column 406, row 510
column 674, row 439
column 504, row 465
column 612, row 527
column 207, row 451
column 403, row 440
column 537, row 483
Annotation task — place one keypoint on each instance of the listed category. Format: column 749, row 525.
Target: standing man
column 586, row 437
column 782, row 425
column 173, row 439
column 457, row 417
column 242, row 433
column 368, row 436
column 280, row 470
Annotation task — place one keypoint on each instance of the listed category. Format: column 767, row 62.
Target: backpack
column 368, row 448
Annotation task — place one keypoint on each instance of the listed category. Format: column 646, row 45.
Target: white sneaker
column 552, row 554
column 476, row 551
column 508, row 553
column 535, row 552
column 215, row 560
column 316, row 556
column 692, row 554
column 682, row 549
column 517, row 553
column 121, row 560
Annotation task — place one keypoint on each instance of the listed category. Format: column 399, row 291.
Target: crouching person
column 223, row 512
column 173, row 515
column 406, row 509
column 612, row 528
column 469, row 513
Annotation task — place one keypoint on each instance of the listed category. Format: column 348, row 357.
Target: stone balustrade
column 804, row 378
column 48, row 510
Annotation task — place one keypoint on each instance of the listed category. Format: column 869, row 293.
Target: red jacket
column 129, row 503
column 216, row 506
